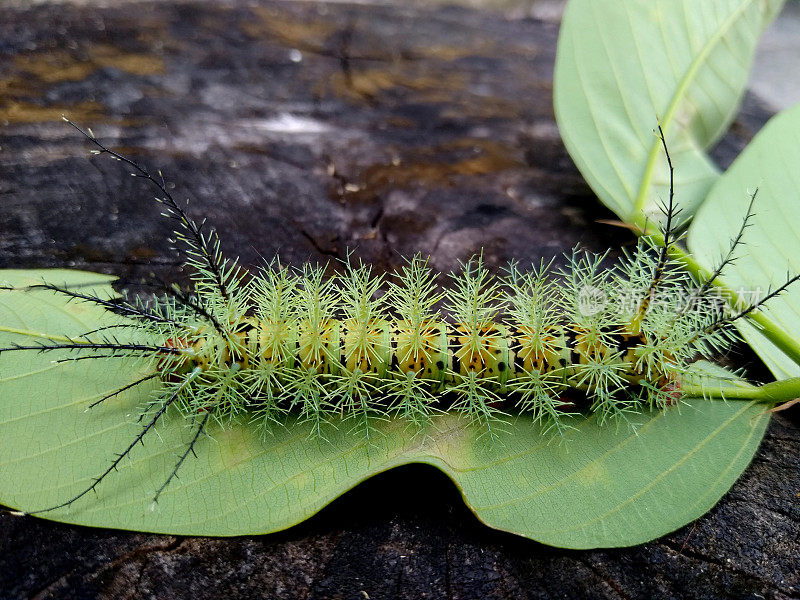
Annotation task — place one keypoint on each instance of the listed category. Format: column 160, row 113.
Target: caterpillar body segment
column 425, row 353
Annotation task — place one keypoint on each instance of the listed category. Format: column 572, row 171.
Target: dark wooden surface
column 308, row 129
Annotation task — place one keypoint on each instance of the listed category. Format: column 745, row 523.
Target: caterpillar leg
column 115, row 348
column 120, row 306
column 123, row 389
column 730, row 256
column 170, row 400
column 211, row 269
column 189, row 449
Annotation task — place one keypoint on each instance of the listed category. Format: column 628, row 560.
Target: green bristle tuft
column 410, row 397
column 356, row 391
column 475, row 398
column 307, row 394
column 473, row 303
column 539, row 395
column 316, row 309
column 363, row 316
column 414, row 297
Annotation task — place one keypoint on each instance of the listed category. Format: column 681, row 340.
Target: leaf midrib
column 677, row 98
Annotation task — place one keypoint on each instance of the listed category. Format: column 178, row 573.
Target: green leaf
column 771, row 249
column 621, row 65
column 599, row 486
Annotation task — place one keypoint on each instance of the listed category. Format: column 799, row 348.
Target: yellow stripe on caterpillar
column 438, row 352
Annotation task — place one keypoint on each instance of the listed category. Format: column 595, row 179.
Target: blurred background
column 305, row 129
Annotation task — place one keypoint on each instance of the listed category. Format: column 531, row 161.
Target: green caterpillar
column 364, row 346
column 358, row 353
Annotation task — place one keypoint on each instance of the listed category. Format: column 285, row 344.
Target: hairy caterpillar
column 367, row 346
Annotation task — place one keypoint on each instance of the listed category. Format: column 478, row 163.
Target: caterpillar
column 545, row 342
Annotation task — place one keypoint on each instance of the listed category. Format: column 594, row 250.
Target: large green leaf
column 771, row 163
column 622, row 64
column 600, row 486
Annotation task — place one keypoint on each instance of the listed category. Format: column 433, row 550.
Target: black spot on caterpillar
column 367, row 345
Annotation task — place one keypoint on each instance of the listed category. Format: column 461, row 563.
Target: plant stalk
column 773, row 393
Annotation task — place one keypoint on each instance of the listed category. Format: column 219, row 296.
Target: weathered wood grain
column 308, row 129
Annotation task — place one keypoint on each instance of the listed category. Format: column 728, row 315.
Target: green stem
column 768, row 328
column 777, row 391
